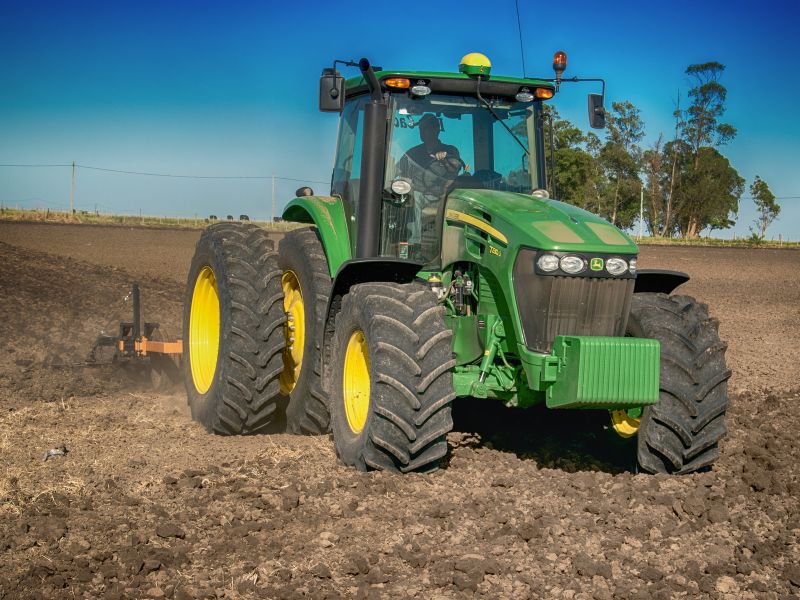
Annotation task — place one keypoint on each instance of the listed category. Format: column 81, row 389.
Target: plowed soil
column 146, row 504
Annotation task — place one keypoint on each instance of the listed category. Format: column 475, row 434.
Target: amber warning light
column 560, row 62
column 398, row 83
column 559, row 65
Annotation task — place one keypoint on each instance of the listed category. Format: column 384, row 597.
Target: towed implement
column 139, row 344
column 439, row 267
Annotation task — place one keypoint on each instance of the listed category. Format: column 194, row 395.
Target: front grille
column 551, row 305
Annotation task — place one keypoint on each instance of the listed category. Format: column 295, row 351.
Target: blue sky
column 207, row 88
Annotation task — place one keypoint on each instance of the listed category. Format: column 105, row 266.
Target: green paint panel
column 542, row 223
column 605, row 372
column 327, row 213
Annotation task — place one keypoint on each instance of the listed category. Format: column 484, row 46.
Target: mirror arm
column 346, row 63
column 582, row 79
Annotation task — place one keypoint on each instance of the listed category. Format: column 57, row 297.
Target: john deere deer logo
column 596, row 264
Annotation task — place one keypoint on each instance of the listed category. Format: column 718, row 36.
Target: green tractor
column 439, row 267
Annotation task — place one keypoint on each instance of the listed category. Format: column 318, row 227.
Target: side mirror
column 597, row 112
column 331, row 91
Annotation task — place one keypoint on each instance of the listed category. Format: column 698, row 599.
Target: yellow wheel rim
column 294, row 331
column 355, row 383
column 625, row 425
column 204, row 330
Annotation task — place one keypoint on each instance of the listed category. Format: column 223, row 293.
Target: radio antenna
column 519, row 28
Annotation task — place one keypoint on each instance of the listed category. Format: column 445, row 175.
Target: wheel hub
column 204, row 325
column 355, row 382
column 293, row 331
column 625, row 422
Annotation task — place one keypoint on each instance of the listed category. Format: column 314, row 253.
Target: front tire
column 681, row 433
column 233, row 330
column 392, row 384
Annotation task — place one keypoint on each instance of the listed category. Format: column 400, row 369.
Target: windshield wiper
column 496, row 116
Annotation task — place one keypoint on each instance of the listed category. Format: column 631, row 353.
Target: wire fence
column 153, row 198
column 90, row 189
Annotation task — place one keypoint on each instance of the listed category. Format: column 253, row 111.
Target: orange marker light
column 560, row 61
column 543, row 93
column 399, row 83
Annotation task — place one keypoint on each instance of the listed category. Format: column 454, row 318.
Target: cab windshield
column 439, row 143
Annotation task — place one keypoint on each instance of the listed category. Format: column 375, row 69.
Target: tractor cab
column 438, row 132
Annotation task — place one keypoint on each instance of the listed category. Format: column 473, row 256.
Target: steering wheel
column 448, row 167
column 440, row 173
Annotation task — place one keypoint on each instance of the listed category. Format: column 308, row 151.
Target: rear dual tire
column 233, row 330
column 306, row 285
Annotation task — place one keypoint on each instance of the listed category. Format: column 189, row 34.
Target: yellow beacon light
column 475, row 63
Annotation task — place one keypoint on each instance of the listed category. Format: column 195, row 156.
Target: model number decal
column 495, row 251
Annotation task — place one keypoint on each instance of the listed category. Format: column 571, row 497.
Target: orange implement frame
column 143, row 346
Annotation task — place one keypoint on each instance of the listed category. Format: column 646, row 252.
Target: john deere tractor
column 439, row 267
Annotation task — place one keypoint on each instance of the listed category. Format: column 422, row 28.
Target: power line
column 36, row 165
column 173, row 175
column 519, row 29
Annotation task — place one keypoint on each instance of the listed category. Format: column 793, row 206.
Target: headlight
column 547, row 262
column 632, row 266
column 572, row 264
column 616, row 266
column 401, row 187
column 540, row 193
column 524, row 95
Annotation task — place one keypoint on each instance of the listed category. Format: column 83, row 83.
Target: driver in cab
column 431, row 166
column 430, row 151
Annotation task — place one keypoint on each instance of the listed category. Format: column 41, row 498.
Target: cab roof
column 451, row 83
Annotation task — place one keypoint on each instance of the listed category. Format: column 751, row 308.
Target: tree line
column 688, row 184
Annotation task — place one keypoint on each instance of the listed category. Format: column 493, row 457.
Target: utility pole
column 641, row 212
column 72, row 192
column 273, row 198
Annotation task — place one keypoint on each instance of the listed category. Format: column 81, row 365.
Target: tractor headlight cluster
column 572, row 264
column 585, row 265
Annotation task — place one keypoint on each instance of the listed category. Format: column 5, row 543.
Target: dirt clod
column 169, row 530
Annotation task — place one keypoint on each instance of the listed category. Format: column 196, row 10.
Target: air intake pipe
column 373, row 155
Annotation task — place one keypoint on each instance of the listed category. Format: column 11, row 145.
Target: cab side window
column 347, row 165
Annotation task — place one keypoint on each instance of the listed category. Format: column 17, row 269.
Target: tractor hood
column 544, row 224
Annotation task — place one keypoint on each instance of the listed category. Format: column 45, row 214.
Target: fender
column 374, row 269
column 327, row 213
column 658, row 281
